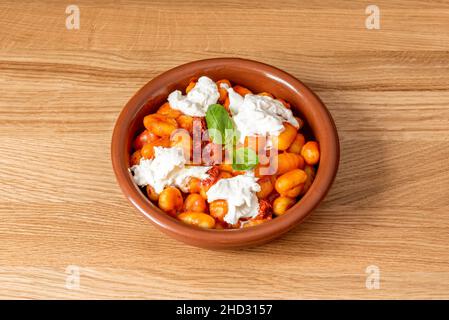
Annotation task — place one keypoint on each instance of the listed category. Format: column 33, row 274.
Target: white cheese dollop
column 256, row 115
column 240, row 194
column 197, row 101
column 166, row 169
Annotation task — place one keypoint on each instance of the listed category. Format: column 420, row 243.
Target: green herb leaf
column 219, row 124
column 221, row 131
column 245, row 159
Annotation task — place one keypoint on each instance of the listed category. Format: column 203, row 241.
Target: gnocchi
column 293, row 161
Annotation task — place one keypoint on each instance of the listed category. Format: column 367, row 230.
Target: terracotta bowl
column 258, row 77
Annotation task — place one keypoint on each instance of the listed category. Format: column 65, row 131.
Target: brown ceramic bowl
column 258, row 77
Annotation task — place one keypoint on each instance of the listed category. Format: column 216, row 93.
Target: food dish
column 222, row 157
column 257, row 77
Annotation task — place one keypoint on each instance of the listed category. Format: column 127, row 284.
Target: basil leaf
column 219, row 124
column 221, row 131
column 245, row 159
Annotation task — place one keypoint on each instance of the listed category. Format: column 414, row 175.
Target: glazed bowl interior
column 257, row 77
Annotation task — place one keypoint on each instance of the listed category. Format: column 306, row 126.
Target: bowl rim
column 229, row 237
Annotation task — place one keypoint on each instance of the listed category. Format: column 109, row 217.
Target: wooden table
column 62, row 213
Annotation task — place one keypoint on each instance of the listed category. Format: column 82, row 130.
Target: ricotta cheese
column 198, row 100
column 240, row 194
column 256, row 115
column 166, row 169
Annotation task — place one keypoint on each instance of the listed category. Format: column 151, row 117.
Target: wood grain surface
column 61, row 90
